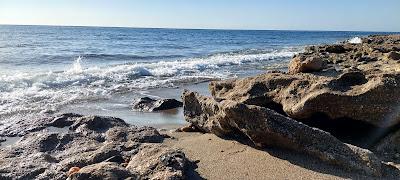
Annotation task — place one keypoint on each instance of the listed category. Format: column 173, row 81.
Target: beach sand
column 229, row 159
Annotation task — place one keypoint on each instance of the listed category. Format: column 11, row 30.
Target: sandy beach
column 229, row 159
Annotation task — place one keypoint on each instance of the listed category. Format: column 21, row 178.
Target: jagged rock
column 265, row 127
column 393, row 55
column 148, row 104
column 363, row 86
column 368, row 98
column 98, row 146
column 158, row 162
column 302, row 63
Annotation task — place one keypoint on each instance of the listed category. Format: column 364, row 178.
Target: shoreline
column 262, row 126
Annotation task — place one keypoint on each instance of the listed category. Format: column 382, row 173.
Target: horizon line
column 183, row 28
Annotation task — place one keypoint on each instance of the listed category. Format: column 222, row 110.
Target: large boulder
column 265, row 127
column 368, row 98
column 148, row 104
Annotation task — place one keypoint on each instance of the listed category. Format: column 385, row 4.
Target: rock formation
column 94, row 147
column 357, row 83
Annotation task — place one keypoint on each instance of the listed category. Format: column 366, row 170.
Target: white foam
column 355, row 40
column 48, row 91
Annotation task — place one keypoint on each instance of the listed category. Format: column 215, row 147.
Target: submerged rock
column 148, row 104
column 95, row 147
column 265, row 127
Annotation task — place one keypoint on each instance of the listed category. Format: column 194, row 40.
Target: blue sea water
column 50, row 69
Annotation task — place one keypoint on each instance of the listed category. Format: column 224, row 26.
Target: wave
column 355, row 40
column 43, row 92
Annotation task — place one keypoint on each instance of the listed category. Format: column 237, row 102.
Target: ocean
column 102, row 70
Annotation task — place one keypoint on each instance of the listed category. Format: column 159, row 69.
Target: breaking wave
column 48, row 91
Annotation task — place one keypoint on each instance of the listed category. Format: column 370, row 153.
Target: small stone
column 73, row 170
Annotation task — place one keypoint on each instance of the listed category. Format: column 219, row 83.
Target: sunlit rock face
column 350, row 89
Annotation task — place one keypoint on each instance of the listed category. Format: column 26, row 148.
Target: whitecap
column 355, row 40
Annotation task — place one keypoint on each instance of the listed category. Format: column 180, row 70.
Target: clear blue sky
column 364, row 15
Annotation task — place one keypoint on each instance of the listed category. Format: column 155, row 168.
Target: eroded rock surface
column 94, row 147
column 265, row 127
column 148, row 104
column 326, row 85
column 358, row 83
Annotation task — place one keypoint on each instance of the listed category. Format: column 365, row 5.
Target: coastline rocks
column 94, row 147
column 150, row 105
column 302, row 63
column 359, row 82
column 372, row 99
column 265, row 127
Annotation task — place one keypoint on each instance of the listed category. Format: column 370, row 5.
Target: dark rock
column 265, row 127
column 148, row 104
column 97, row 123
column 337, row 48
column 64, row 120
column 393, row 55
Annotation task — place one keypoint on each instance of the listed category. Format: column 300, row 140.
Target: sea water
column 99, row 70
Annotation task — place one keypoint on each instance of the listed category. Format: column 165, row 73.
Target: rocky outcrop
column 358, row 83
column 94, row 147
column 148, row 104
column 353, row 86
column 265, row 127
column 368, row 98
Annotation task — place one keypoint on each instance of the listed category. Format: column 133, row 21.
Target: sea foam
column 49, row 91
column 355, row 40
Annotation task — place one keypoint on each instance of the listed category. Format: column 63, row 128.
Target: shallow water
column 95, row 70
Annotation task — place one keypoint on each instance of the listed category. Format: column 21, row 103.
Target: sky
column 350, row 15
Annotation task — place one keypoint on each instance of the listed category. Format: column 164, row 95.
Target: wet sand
column 228, row 159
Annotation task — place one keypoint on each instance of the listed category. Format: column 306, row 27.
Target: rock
column 265, row 127
column 188, row 128
column 64, row 120
column 148, row 104
column 159, row 162
column 367, row 98
column 73, row 170
column 306, row 64
column 393, row 55
column 388, row 148
column 95, row 147
column 103, row 170
column 97, row 123
column 336, row 48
